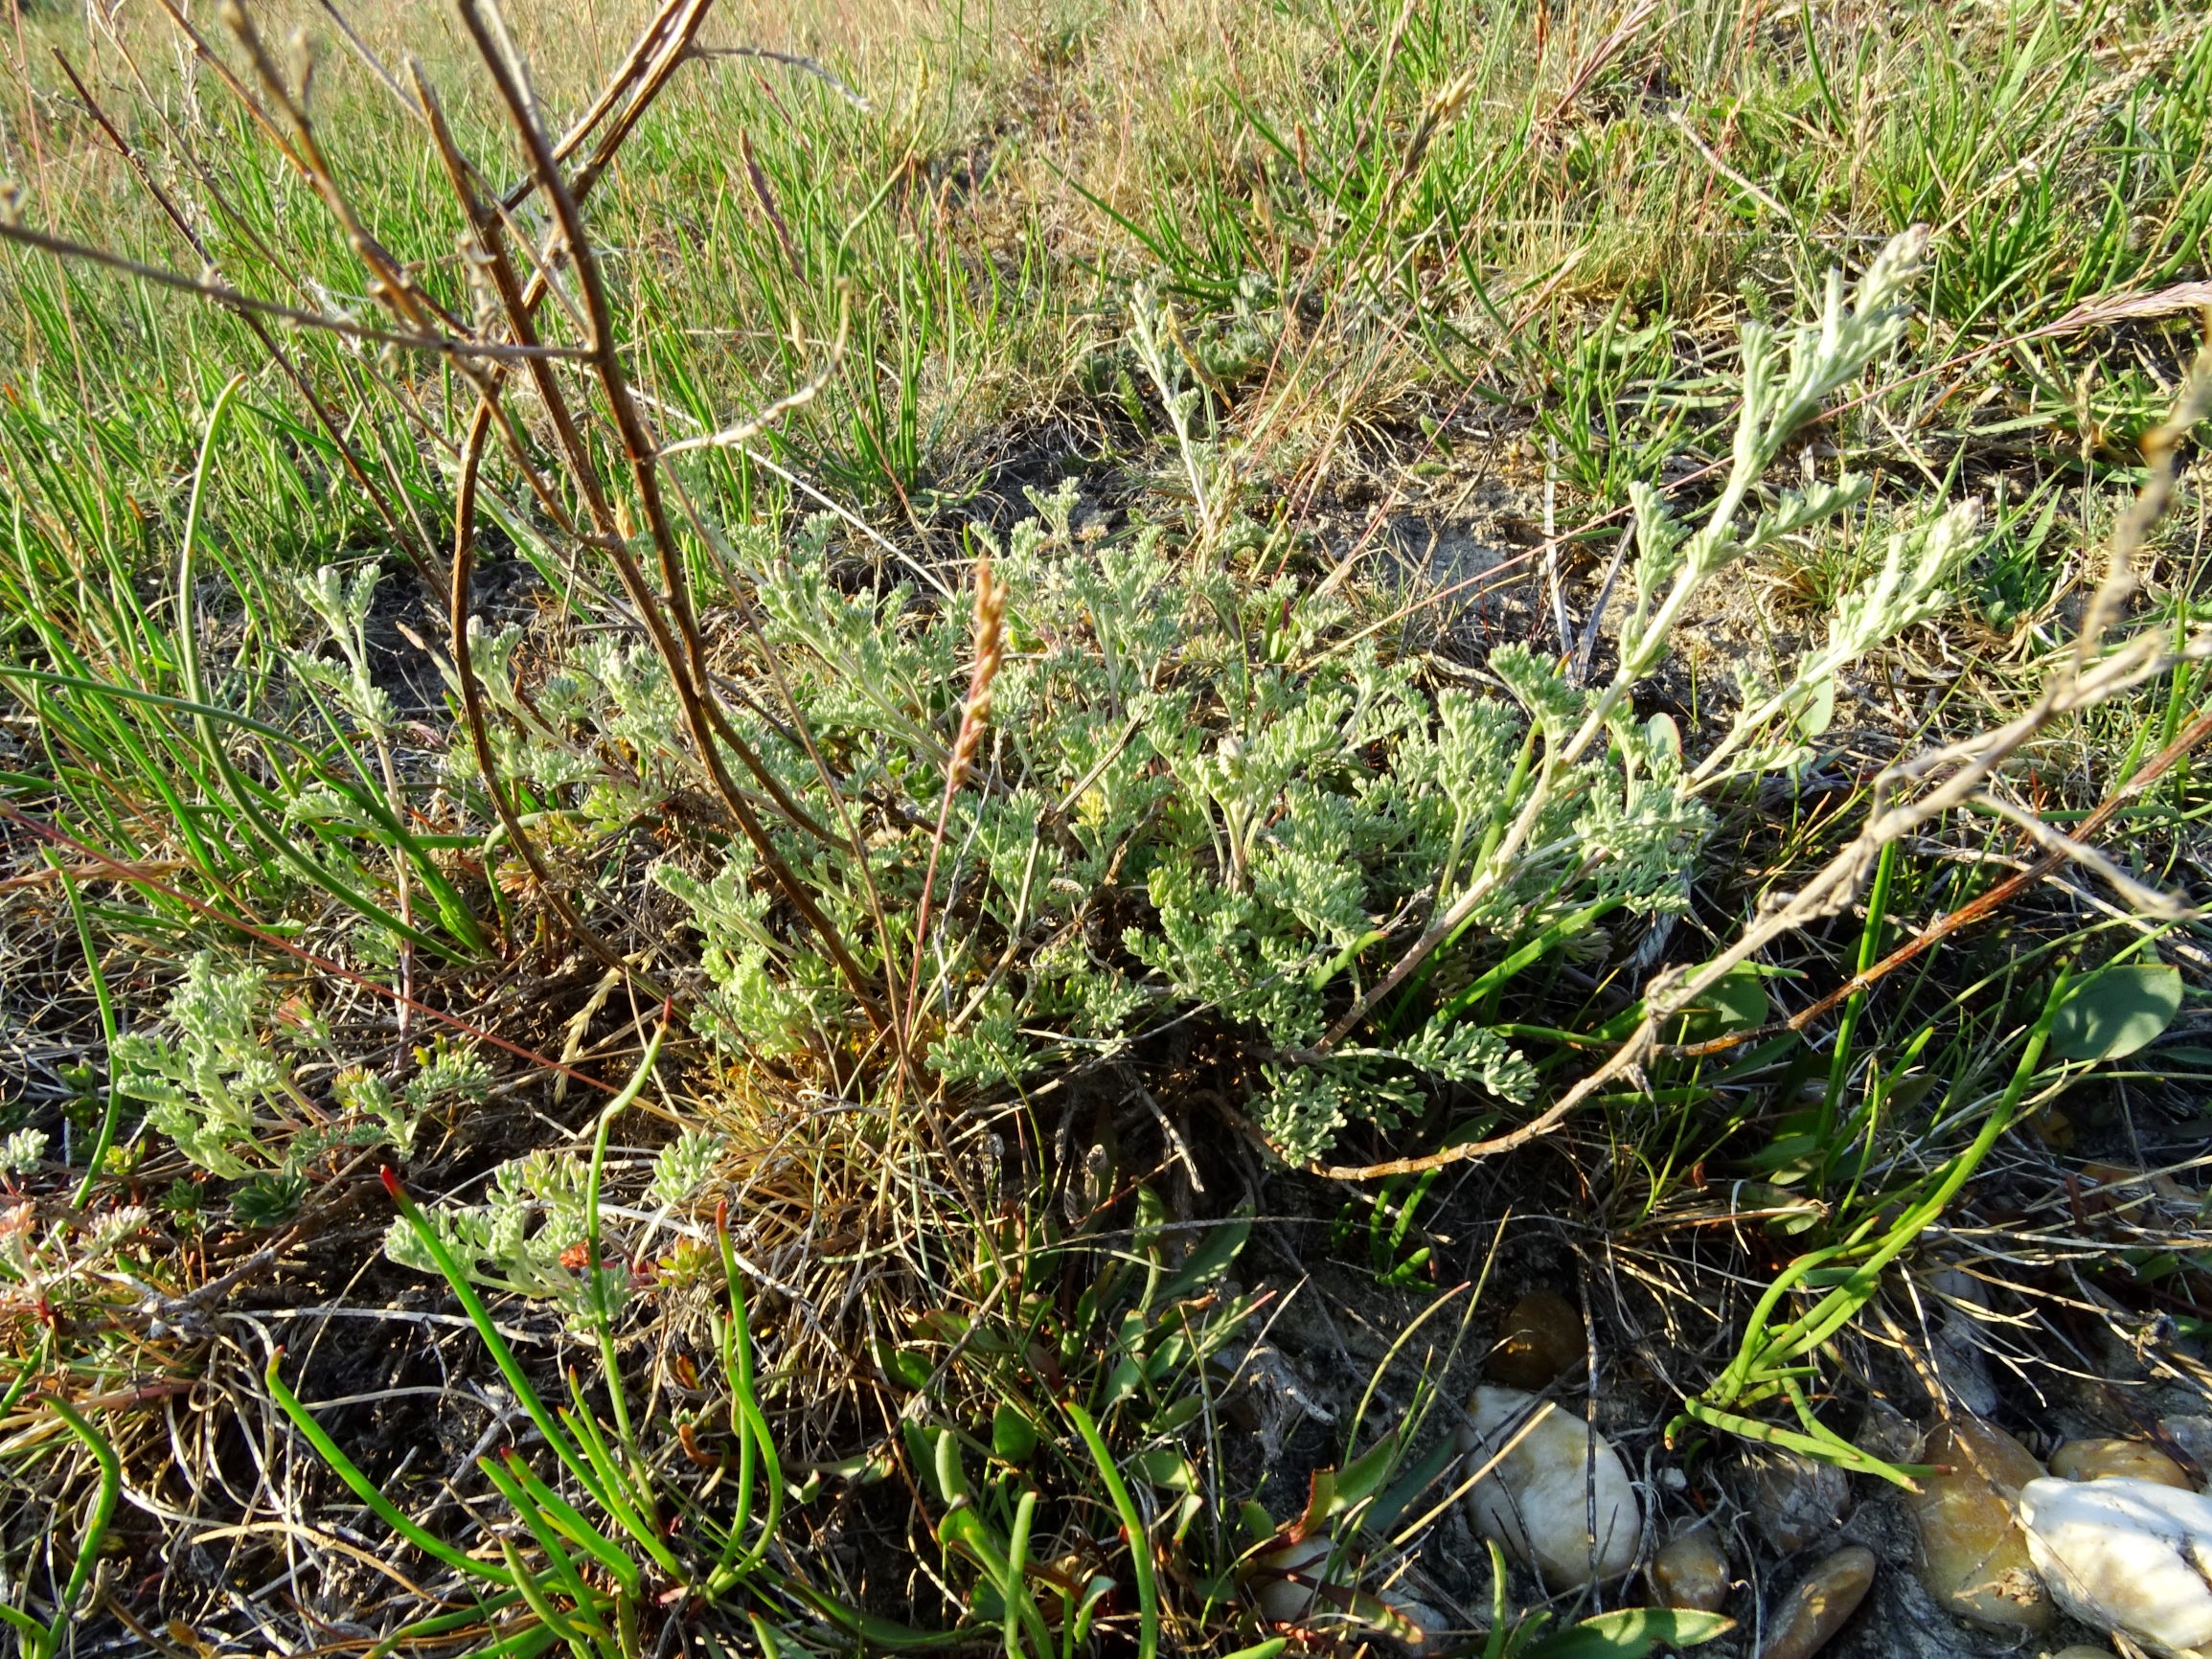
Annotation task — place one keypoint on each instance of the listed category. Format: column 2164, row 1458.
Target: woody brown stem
column 687, row 665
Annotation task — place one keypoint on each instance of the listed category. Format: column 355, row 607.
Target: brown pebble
column 1690, row 1573
column 1794, row 1500
column 1887, row 1433
column 2191, row 1436
column 1973, row 1557
column 2104, row 1460
column 1542, row 1339
column 1821, row 1605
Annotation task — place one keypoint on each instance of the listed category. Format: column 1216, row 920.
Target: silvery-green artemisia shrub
column 1207, row 794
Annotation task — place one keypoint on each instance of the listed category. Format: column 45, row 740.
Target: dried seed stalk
column 974, row 716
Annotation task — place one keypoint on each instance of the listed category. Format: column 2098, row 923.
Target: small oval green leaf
column 1737, row 1001
column 2116, row 1012
column 1012, row 1436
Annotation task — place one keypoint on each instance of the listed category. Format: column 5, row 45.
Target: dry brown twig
column 454, row 347
column 708, row 725
column 660, row 49
column 1975, row 910
column 519, row 307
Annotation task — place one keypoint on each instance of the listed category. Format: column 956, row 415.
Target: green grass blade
column 108, row 1117
column 1133, row 1524
column 102, row 1512
column 364, row 1489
